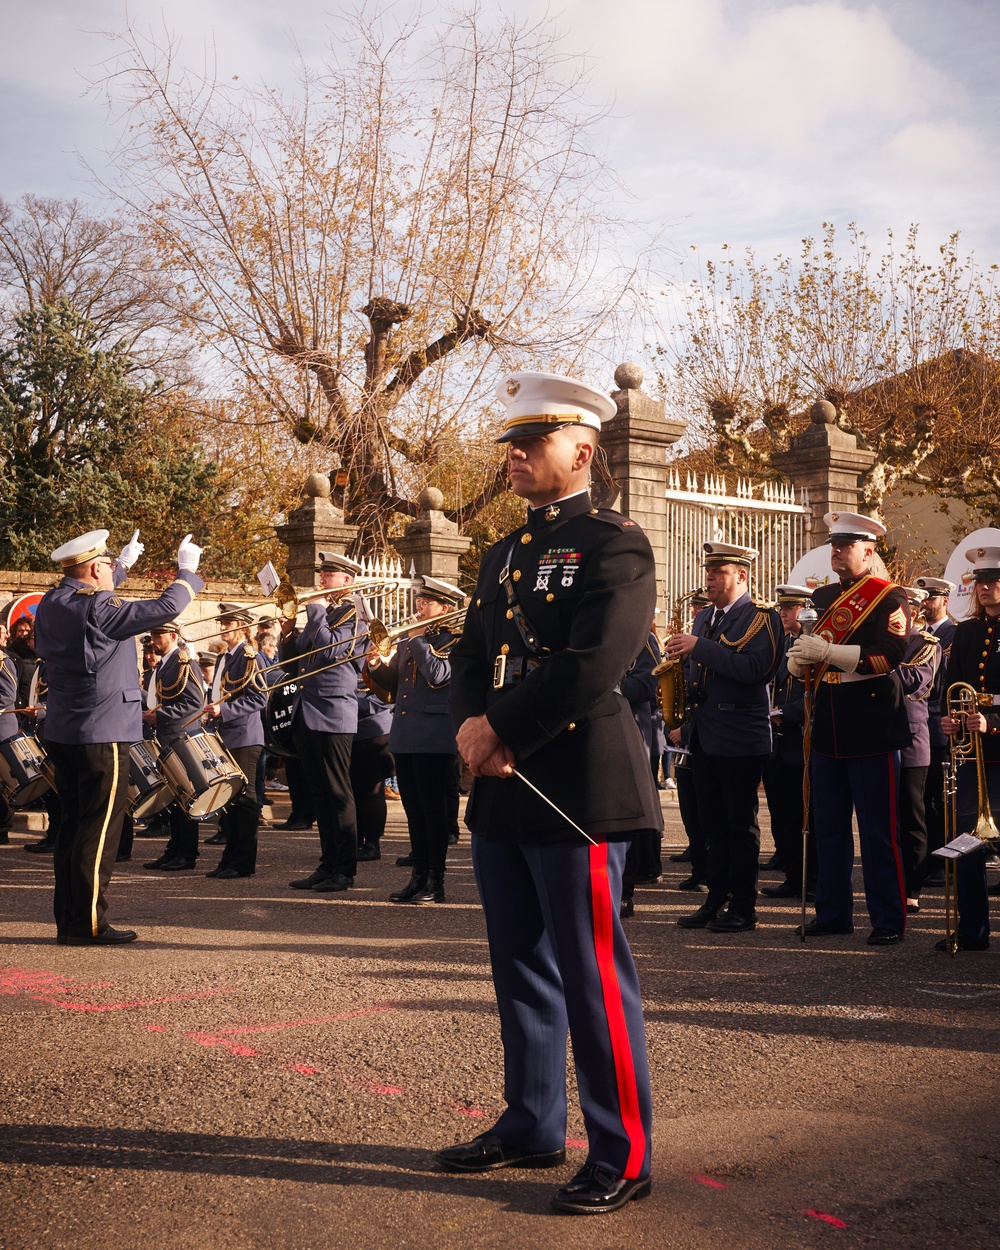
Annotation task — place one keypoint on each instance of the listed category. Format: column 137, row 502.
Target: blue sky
column 745, row 122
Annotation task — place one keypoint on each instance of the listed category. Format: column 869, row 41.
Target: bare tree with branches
column 364, row 251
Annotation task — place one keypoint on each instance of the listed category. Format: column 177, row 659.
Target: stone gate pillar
column 315, row 525
column 635, row 443
column 432, row 543
column 827, row 463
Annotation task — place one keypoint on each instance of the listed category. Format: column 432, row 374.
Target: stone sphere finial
column 430, row 499
column 317, row 486
column 823, row 413
column 628, row 376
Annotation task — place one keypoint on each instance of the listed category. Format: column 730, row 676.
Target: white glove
column 131, row 552
column 809, row 649
column 188, row 555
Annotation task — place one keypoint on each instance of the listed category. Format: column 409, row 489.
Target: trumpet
column 383, row 637
column 961, row 701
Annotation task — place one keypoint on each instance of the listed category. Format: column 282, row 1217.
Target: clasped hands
column 483, row 751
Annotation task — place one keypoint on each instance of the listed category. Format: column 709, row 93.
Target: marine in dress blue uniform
column 175, row 695
column 936, row 621
column 917, row 671
column 238, row 697
column 732, row 652
column 325, row 717
column 783, row 773
column 422, row 738
column 975, row 660
column 859, row 727
column 560, row 610
column 85, row 634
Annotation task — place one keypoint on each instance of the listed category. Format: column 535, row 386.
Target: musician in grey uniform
column 422, row 739
column 84, row 632
column 238, row 696
column 175, row 694
column 734, row 650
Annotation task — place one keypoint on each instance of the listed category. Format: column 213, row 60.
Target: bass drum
column 278, row 717
column 148, row 792
column 201, row 773
column 25, row 770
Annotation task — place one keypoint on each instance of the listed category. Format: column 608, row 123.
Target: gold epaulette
column 444, row 650
column 183, row 655
column 86, row 590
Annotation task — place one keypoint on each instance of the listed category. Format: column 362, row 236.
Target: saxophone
column 671, row 689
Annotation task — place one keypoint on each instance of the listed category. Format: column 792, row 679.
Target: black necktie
column 716, row 622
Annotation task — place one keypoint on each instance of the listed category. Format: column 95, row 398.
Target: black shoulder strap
column 528, row 635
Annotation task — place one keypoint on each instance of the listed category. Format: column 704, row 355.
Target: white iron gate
column 762, row 515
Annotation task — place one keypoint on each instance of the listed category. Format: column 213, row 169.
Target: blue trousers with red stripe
column 561, row 963
column 868, row 786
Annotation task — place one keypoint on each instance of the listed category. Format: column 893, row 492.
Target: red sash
column 848, row 610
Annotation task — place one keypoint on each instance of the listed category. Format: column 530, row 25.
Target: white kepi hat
column 985, row 563
column 538, row 403
column 851, row 527
column 80, row 550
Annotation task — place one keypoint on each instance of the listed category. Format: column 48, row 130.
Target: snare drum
column 25, row 770
column 148, row 792
column 201, row 773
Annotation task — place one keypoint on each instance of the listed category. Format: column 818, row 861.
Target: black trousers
column 299, row 794
column 783, row 788
column 326, row 759
column 428, row 788
column 371, row 763
column 687, row 803
column 183, row 841
column 92, row 779
column 913, row 828
column 240, row 817
column 726, row 787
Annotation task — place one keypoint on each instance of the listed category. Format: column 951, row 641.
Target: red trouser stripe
column 894, row 835
column 621, row 1047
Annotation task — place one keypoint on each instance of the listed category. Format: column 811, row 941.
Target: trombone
column 383, row 637
column 961, row 701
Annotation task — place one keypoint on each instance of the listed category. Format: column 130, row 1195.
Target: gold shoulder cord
column 754, row 628
column 180, row 685
column 250, row 671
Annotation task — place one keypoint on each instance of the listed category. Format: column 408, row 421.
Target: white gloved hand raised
column 131, row 552
column 188, row 555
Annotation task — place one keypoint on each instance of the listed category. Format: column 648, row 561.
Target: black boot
column 416, row 885
column 433, row 889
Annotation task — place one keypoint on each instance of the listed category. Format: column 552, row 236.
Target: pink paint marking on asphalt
column 136, row 1002
column 302, row 1068
column 825, row 1217
column 297, row 1024
column 707, row 1180
column 154, row 1028
column 210, row 1039
column 573, row 1143
column 383, row 1089
column 30, row 981
column 467, row 1110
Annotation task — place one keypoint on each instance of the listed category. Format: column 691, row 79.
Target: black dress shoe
column 432, row 891
column 227, row 874
column 626, row 909
column 817, row 929
column 405, row 861
column 154, row 864
column 681, row 857
column 123, row 859
column 884, row 937
column 934, row 882
column 368, row 852
column 595, row 1191
column 774, row 864
column 487, row 1152
column 107, row 937
column 45, row 847
column 690, row 883
column 785, row 890
column 732, row 922
column 700, row 918
column 296, row 826
column 338, row 881
column 416, row 883
column 177, row 865
column 217, row 839
column 452, row 839
column 650, row 878
column 964, row 944
column 307, row 883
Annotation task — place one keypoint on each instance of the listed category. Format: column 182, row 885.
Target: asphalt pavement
column 267, row 1067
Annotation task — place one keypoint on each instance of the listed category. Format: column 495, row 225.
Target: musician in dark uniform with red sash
column 859, row 728
column 975, row 659
column 561, row 609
